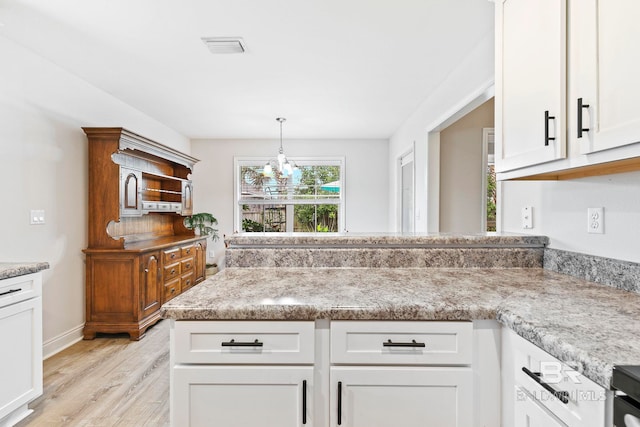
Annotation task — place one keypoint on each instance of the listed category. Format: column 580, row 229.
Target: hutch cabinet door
column 130, row 192
column 187, row 198
column 530, row 82
column 401, row 396
column 603, row 74
column 150, row 284
column 200, row 261
column 232, row 396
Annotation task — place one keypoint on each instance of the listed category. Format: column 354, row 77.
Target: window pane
column 316, row 218
column 306, row 183
column 264, row 218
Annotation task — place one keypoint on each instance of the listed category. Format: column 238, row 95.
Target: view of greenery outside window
column 307, row 200
column 491, row 198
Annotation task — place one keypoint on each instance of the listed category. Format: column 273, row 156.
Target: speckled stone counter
column 486, row 250
column 590, row 327
column 15, row 269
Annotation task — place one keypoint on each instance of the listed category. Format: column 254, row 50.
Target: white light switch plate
column 36, row 217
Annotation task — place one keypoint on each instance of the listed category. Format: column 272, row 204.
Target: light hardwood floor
column 109, row 381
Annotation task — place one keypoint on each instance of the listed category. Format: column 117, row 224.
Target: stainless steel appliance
column 626, row 404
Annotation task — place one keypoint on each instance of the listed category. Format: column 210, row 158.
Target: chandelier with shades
column 281, row 163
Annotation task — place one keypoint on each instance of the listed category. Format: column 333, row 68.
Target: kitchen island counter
column 590, row 327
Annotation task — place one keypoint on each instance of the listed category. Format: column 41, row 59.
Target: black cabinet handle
column 10, row 291
column 339, row 403
column 547, row 138
column 304, row 401
column 563, row 396
column 413, row 343
column 581, row 106
column 234, row 343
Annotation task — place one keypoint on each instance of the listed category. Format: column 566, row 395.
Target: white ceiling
column 333, row 68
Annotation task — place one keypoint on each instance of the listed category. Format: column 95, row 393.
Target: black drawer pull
column 413, row 343
column 547, row 138
column 304, row 401
column 563, row 396
column 234, row 343
column 339, row 403
column 10, row 291
column 581, row 106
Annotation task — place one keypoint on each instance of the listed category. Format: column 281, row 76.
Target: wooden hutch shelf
column 140, row 254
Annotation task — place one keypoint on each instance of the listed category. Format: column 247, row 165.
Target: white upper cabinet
column 604, row 62
column 530, row 82
column 576, row 59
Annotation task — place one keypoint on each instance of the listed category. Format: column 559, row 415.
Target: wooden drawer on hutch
column 242, row 342
column 171, row 271
column 186, row 265
column 187, row 281
column 172, row 289
column 415, row 343
column 171, row 255
column 186, row 251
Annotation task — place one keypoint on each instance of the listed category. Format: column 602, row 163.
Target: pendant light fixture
column 281, row 162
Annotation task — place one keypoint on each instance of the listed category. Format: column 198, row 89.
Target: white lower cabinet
column 240, row 396
column 321, row 374
column 401, row 396
column 21, row 355
column 540, row 390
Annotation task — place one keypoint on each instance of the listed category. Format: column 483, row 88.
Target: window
column 308, row 200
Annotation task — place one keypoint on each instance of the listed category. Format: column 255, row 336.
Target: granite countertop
column 428, row 240
column 590, row 327
column 15, row 269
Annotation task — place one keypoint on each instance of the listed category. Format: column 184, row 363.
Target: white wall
column 560, row 212
column 461, row 172
column 366, row 176
column 44, row 166
column 468, row 82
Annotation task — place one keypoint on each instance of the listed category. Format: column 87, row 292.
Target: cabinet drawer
column 266, row 342
column 187, row 250
column 414, row 343
column 172, row 289
column 585, row 400
column 171, row 255
column 19, row 288
column 186, row 281
column 171, row 271
column 186, row 265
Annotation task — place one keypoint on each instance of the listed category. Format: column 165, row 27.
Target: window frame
column 239, row 162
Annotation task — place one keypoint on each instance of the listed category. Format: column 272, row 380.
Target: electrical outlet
column 527, row 217
column 212, row 253
column 595, row 220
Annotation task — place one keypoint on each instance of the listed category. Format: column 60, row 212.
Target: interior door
column 407, row 184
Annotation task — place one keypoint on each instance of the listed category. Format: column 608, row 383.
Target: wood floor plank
column 106, row 382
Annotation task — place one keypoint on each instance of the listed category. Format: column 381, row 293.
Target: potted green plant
column 202, row 222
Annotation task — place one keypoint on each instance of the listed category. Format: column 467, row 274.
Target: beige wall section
column 44, row 166
column 461, row 171
column 366, row 185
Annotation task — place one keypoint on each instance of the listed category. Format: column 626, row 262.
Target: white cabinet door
column 604, row 66
column 234, row 396
column 529, row 414
column 401, row 396
column 530, row 80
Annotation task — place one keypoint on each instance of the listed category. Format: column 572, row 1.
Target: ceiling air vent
column 224, row 44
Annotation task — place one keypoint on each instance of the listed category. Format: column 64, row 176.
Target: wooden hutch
column 140, row 254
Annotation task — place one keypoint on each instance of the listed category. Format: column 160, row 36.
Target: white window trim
column 302, row 161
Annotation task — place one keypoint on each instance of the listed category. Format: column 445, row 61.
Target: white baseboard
column 62, row 341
